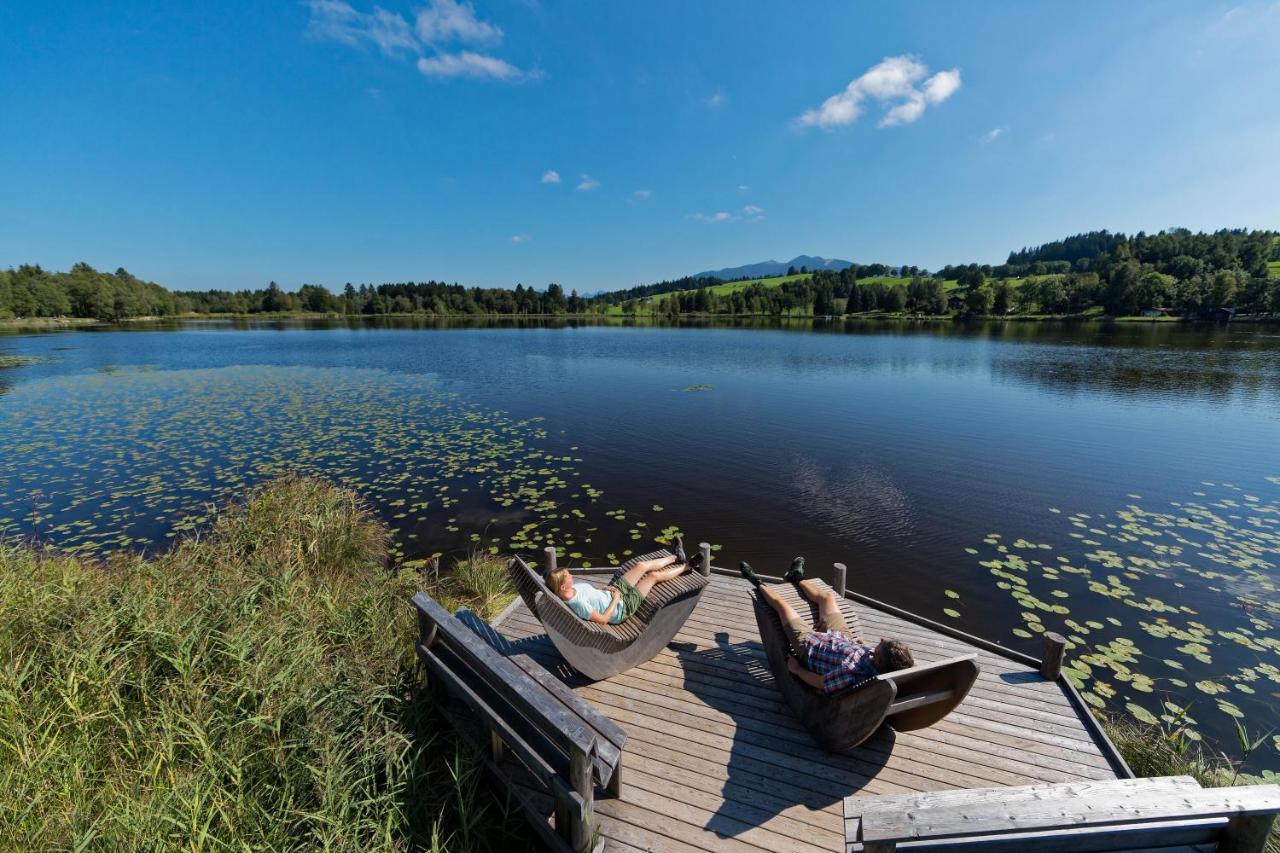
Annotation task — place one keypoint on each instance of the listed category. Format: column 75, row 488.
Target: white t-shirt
column 587, row 599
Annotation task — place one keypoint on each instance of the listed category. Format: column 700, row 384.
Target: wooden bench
column 512, row 708
column 1167, row 813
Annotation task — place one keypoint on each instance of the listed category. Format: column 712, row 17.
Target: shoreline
column 58, row 323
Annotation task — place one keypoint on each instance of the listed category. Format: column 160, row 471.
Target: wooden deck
column 715, row 761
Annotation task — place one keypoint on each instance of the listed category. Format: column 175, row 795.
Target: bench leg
column 615, row 783
column 1246, row 834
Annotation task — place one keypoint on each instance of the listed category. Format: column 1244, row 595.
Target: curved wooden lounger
column 907, row 699
column 600, row 651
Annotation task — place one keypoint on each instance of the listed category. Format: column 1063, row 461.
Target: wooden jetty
column 706, row 755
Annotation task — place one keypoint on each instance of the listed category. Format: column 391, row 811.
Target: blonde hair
column 556, row 579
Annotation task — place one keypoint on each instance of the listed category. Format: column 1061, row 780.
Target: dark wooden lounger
column 908, row 699
column 600, row 651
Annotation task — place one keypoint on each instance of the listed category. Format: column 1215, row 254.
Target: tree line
column 1178, row 271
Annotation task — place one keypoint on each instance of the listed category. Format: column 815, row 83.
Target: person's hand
column 793, row 665
column 614, row 593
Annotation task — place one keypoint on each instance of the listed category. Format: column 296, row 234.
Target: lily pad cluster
column 132, row 458
column 1171, row 614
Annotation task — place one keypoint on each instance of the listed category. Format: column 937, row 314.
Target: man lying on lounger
column 618, row 601
column 825, row 658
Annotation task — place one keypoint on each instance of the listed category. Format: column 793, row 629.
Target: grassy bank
column 252, row 688
column 1157, row 750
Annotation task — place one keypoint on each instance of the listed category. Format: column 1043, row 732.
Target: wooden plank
column 859, row 808
column 1062, row 811
column 1159, row 835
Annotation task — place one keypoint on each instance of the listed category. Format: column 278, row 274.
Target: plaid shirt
column 839, row 660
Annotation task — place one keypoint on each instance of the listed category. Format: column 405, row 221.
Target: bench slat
column 1117, row 837
column 1065, row 811
column 860, row 808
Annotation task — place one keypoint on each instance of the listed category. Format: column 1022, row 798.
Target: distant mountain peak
column 764, row 269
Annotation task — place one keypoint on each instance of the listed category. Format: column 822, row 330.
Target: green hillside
column 1273, row 267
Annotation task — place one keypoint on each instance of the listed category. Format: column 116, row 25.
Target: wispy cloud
column 587, row 184
column 468, row 64
column 719, row 216
column 753, row 212
column 336, row 20
column 439, row 36
column 743, row 188
column 992, row 135
column 551, row 176
column 521, row 238
column 715, row 99
column 642, row 195
column 895, row 82
column 448, row 21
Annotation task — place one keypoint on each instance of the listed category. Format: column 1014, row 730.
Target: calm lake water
column 1118, row 484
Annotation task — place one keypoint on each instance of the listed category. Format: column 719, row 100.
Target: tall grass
column 1167, row 750
column 253, row 688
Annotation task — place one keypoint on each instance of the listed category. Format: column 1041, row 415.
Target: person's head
column 560, row 582
column 891, row 656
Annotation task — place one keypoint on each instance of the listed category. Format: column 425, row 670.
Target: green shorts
column 628, row 604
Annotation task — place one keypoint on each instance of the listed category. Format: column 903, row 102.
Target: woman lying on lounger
column 619, row 600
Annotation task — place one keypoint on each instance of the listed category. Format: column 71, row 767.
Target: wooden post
column 1246, row 834
column 705, row 549
column 1055, row 648
column 838, row 580
column 581, row 826
column 549, row 561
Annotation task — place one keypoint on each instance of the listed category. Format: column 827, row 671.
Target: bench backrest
column 1077, row 816
column 497, row 688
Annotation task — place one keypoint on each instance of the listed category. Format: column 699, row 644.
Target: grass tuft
column 252, row 688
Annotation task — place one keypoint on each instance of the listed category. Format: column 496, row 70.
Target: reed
column 252, row 688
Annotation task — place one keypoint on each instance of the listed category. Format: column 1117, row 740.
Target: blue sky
column 227, row 144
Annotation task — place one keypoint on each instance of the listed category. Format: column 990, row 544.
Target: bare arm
column 810, row 678
column 603, row 618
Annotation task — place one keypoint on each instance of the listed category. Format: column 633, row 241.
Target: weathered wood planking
column 715, row 760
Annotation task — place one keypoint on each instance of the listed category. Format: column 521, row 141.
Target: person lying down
column 617, row 602
column 826, row 658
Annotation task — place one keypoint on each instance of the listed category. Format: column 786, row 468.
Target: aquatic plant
column 135, row 457
column 252, row 688
column 1169, row 613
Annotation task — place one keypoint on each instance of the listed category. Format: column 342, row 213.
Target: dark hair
column 896, row 656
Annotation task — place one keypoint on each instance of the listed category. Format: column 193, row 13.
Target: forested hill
column 1175, row 271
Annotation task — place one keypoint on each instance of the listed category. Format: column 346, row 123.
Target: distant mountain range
column 768, row 268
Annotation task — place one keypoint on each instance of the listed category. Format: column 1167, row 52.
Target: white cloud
column 641, row 195
column 336, row 20
column 551, row 176
column 720, row 216
column 752, row 211
column 587, row 184
column 894, row 83
column 743, row 188
column 716, row 99
column 468, row 64
column 448, row 21
column 992, row 135
column 521, row 238
column 440, row 25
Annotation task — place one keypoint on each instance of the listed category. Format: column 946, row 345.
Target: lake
column 1118, row 483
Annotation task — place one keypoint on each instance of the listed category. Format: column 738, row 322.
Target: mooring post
column 549, row 561
column 1055, row 648
column 705, row 549
column 838, row 579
